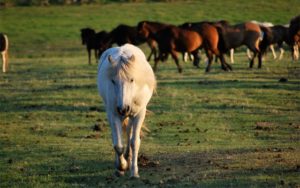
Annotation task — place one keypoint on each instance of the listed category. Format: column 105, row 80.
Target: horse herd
column 215, row 38
column 126, row 80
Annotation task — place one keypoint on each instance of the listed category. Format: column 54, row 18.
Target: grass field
column 222, row 129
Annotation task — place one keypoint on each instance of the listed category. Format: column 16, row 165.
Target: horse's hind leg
column 156, row 59
column 252, row 60
column 174, row 55
column 231, row 55
column 209, row 60
column 273, row 51
column 196, row 60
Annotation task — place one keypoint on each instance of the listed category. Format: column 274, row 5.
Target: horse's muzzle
column 124, row 110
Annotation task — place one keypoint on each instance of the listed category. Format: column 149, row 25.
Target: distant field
column 221, row 129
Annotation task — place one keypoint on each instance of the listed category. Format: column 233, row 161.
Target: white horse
column 126, row 83
column 4, row 51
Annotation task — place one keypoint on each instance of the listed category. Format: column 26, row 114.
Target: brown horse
column 294, row 35
column 210, row 36
column 147, row 30
column 248, row 34
column 4, row 51
column 173, row 39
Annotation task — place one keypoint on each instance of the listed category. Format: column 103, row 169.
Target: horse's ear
column 110, row 59
column 131, row 59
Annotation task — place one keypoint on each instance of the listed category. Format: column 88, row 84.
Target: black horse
column 277, row 34
column 94, row 41
column 123, row 34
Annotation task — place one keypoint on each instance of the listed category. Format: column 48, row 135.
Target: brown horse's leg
column 252, row 60
column 153, row 52
column 196, row 61
column 209, row 59
column 259, row 59
column 225, row 66
column 174, row 55
column 156, row 59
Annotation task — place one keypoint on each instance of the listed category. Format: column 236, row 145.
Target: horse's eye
column 131, row 80
column 113, row 82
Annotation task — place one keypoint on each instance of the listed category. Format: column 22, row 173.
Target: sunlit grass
column 218, row 129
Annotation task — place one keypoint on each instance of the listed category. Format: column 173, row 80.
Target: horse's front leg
column 259, row 60
column 128, row 153
column 96, row 55
column 116, row 129
column 89, row 55
column 252, row 60
column 5, row 61
column 135, row 142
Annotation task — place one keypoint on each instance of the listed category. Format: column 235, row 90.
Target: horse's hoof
column 119, row 173
column 180, row 70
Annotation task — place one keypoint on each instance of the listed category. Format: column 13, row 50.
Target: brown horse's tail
column 221, row 42
column 5, row 54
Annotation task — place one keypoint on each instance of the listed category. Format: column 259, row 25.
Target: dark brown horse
column 147, row 30
column 94, row 41
column 210, row 36
column 4, row 51
column 294, row 35
column 123, row 34
column 173, row 39
column 277, row 34
column 248, row 34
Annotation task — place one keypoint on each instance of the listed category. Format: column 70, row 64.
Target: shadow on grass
column 237, row 167
column 237, row 84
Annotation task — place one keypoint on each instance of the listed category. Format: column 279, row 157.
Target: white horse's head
column 124, row 81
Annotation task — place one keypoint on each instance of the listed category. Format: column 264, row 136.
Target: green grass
column 235, row 129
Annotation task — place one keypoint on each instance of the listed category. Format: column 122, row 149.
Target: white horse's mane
column 129, row 62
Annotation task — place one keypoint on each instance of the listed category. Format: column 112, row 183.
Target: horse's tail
column 5, row 54
column 221, row 42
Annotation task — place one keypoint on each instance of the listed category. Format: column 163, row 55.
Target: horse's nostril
column 127, row 109
column 123, row 110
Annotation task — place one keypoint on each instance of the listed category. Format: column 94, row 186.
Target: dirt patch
column 265, row 126
column 146, row 162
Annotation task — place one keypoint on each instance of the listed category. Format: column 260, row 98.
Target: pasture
column 217, row 129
